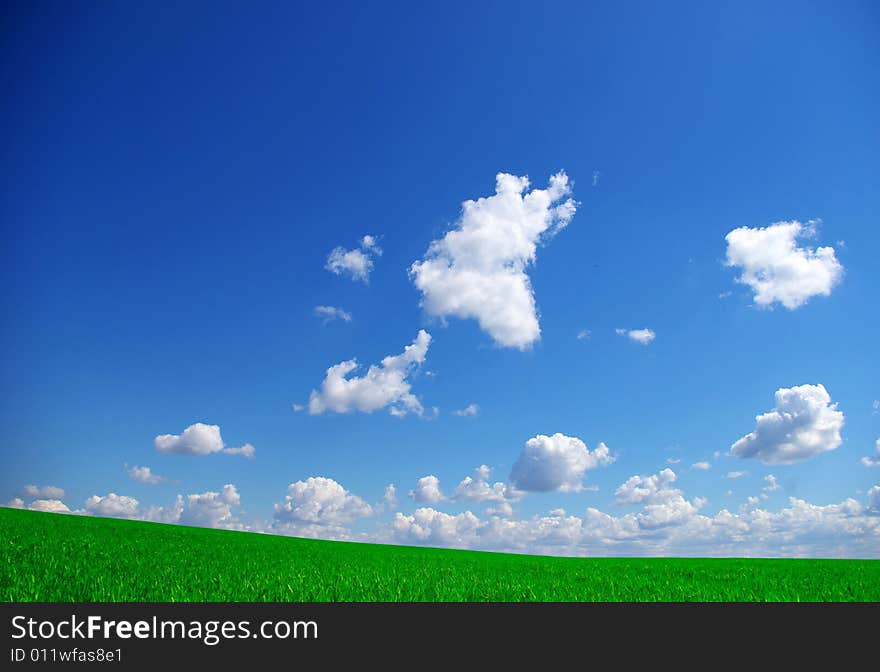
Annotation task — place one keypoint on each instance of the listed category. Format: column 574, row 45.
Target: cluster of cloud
column 663, row 521
column 207, row 509
column 199, row 439
column 777, row 269
column 667, row 524
column 357, row 263
column 498, row 496
column 330, row 313
column 803, row 424
column 556, row 463
column 478, row 269
column 641, row 336
column 383, row 385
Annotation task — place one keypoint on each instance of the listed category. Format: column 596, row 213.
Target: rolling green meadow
column 67, row 558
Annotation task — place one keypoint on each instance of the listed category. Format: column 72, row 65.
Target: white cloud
column 776, row 269
column 212, row 509
column 650, row 489
column 772, row 484
column 389, row 499
column 642, row 336
column 873, row 460
column 427, row 490
column 330, row 313
column 673, row 460
column 701, row 466
column 478, row 269
column 43, row 492
column 46, row 505
column 477, row 488
column 49, row 505
column 556, row 462
column 735, row 474
column 428, row 526
column 165, row 514
column 356, row 263
column 247, row 450
column 469, row 410
column 144, row 475
column 112, row 505
column 385, row 385
column 875, row 407
column 804, row 424
column 583, row 334
column 320, row 501
column 199, row 439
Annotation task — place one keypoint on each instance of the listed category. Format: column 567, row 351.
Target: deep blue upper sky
column 174, row 177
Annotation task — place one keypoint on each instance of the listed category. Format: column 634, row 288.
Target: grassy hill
column 53, row 557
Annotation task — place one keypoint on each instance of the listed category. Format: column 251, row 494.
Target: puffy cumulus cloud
column 777, row 269
column 651, row 489
column 641, row 336
column 385, row 385
column 320, row 501
column 427, row 490
column 47, row 505
column 112, row 506
column 330, row 313
column 804, row 424
column 701, row 466
column 144, row 475
column 199, row 439
column 478, row 488
column 873, row 460
column 478, row 269
column 43, row 492
column 357, row 263
column 669, row 526
column 15, row 503
column 429, row 526
column 470, row 410
column 556, row 462
column 212, row 509
column 165, row 514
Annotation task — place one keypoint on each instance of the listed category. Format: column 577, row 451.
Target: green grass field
column 53, row 557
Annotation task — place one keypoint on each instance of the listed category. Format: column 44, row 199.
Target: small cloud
column 469, row 410
column 584, row 334
column 330, row 313
column 716, row 454
column 701, row 466
column 735, row 474
column 873, row 460
column 642, row 336
column 199, row 439
column 673, row 460
column 247, row 450
column 298, row 407
column 356, row 263
column 596, row 175
column 144, row 475
column 772, row 485
column 724, row 295
column 875, row 407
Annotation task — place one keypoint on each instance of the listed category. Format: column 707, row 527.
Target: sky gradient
column 216, row 220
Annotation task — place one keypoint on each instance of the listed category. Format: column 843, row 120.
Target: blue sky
column 174, row 180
